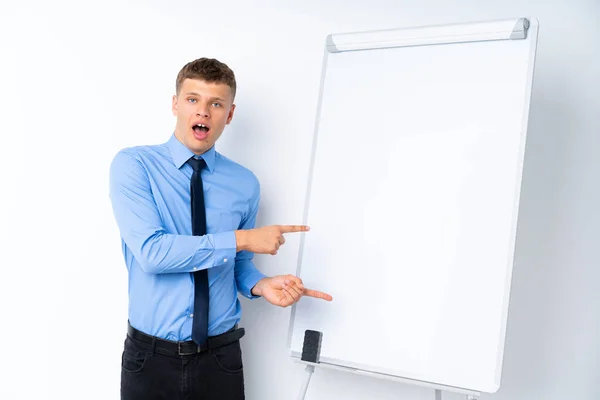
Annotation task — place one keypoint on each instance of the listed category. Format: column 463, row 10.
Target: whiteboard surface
column 413, row 207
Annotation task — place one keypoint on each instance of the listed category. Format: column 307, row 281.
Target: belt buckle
column 179, row 352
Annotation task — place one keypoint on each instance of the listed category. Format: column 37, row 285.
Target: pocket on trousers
column 229, row 358
column 133, row 358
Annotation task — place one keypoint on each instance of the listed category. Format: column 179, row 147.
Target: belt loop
column 153, row 346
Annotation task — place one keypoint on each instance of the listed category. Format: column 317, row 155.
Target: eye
column 192, row 100
column 216, row 104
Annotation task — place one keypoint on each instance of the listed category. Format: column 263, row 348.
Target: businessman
column 186, row 216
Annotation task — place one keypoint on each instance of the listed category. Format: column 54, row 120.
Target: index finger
column 293, row 228
column 317, row 294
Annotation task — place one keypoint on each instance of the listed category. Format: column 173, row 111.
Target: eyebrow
column 197, row 94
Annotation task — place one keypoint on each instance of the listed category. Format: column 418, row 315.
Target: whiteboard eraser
column 311, row 349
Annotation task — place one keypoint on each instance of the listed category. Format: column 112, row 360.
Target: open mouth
column 200, row 131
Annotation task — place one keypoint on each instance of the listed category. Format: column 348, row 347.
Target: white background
column 79, row 80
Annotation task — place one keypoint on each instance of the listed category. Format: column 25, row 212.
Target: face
column 202, row 110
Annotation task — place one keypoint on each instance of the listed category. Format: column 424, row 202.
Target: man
column 186, row 217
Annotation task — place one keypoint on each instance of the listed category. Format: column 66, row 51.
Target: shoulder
column 141, row 154
column 132, row 161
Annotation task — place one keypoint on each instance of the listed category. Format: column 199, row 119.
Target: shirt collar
column 180, row 154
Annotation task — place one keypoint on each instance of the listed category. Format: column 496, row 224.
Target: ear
column 174, row 105
column 230, row 116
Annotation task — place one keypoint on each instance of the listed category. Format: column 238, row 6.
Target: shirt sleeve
column 246, row 273
column 141, row 228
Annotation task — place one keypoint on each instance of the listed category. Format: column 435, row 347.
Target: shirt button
column 225, row 260
column 195, row 268
column 191, row 315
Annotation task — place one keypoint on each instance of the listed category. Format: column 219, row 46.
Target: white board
column 413, row 200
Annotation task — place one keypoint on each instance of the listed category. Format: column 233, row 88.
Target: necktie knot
column 197, row 163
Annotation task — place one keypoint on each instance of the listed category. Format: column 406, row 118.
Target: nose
column 202, row 111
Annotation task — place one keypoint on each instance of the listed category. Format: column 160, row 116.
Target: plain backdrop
column 80, row 80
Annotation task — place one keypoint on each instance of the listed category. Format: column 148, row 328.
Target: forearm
column 242, row 241
column 168, row 253
column 247, row 276
column 257, row 289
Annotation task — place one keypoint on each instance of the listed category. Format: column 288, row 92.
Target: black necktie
column 200, row 320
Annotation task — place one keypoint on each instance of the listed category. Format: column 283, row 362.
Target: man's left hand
column 285, row 290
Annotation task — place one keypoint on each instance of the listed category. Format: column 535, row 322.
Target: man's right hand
column 265, row 240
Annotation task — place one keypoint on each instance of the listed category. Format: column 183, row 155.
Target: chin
column 199, row 146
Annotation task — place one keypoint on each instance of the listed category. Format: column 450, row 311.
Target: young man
column 186, row 217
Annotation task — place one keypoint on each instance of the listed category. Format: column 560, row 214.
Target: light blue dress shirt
column 150, row 194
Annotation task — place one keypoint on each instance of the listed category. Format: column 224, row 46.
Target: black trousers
column 215, row 374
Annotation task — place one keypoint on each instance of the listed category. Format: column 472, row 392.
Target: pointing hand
column 265, row 240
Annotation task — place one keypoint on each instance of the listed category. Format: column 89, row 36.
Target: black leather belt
column 188, row 347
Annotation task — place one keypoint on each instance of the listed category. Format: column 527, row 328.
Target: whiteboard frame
column 525, row 28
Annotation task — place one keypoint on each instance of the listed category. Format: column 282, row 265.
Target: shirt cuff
column 225, row 246
column 250, row 280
